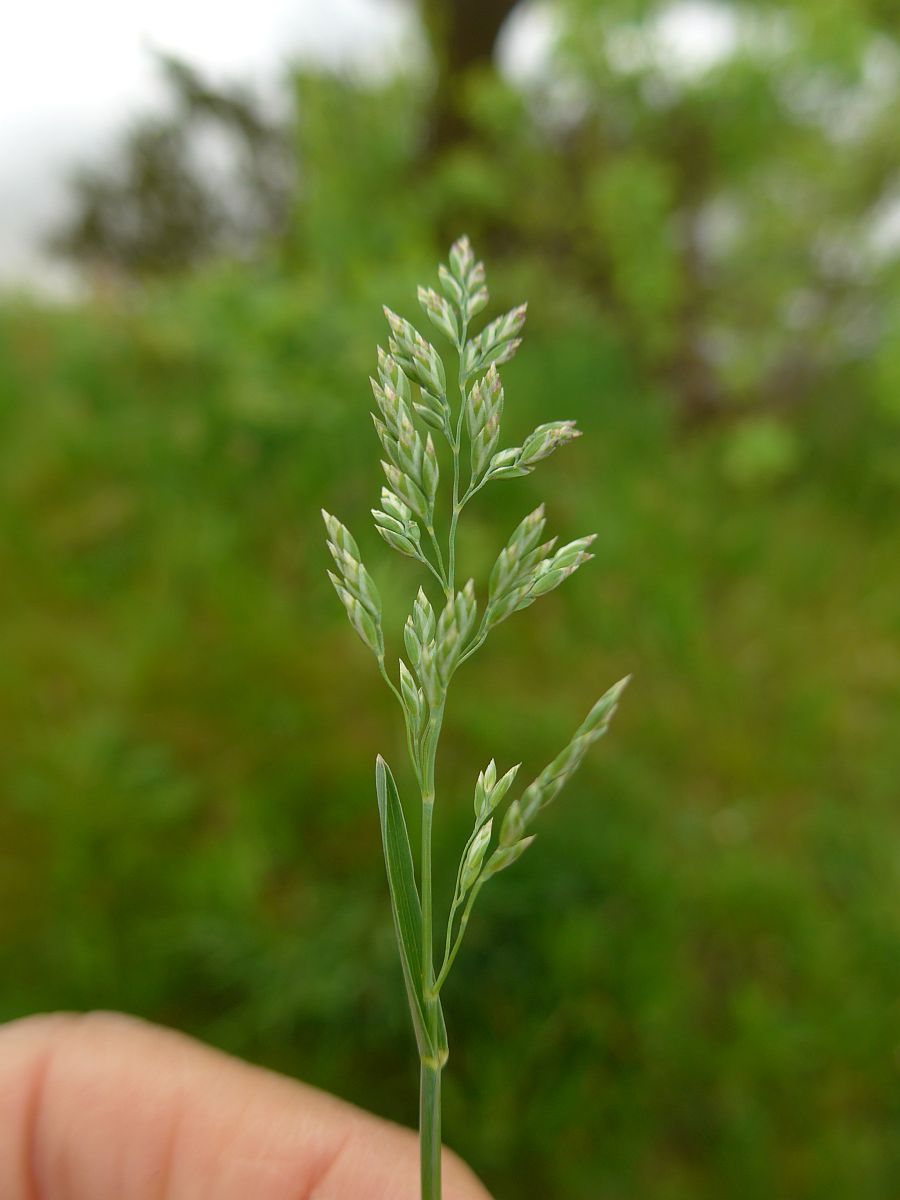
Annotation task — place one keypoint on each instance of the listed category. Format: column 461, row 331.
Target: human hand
column 106, row 1107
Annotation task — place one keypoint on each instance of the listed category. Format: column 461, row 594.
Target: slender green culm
column 415, row 410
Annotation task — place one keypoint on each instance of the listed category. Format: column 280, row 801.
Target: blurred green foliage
column 694, row 977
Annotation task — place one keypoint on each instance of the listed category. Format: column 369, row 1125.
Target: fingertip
column 106, row 1105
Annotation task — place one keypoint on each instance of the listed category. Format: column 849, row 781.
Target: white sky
column 73, row 71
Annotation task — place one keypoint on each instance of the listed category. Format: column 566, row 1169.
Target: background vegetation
column 696, row 975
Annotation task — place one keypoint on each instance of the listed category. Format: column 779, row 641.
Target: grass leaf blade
column 406, row 909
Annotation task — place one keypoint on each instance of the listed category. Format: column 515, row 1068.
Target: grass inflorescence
column 416, row 411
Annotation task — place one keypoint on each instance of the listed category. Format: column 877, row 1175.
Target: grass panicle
column 416, row 409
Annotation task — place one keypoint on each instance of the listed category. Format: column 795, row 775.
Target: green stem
column 427, row 920
column 429, row 755
column 476, row 644
column 410, row 741
column 449, row 959
column 430, row 1096
column 454, row 517
column 430, row 1102
column 387, row 679
column 440, row 574
column 457, row 898
column 430, row 1131
column 430, row 1093
column 471, row 490
column 457, row 507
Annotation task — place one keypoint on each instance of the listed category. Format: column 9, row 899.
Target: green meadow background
column 690, row 987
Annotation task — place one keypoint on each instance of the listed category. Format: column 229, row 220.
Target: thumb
column 102, row 1106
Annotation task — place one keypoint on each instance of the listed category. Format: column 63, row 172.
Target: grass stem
column 430, row 1131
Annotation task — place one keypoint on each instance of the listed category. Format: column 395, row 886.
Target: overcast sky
column 73, row 71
